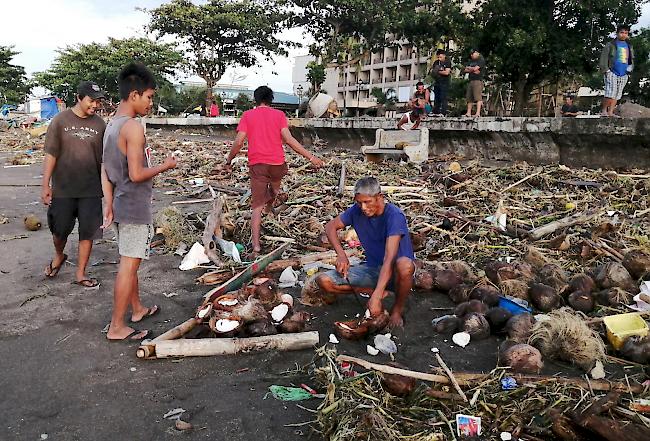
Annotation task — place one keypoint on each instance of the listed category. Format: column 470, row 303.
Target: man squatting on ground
column 73, row 156
column 127, row 176
column 384, row 236
column 266, row 129
column 616, row 62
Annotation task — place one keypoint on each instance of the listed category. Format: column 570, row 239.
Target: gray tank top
column 131, row 200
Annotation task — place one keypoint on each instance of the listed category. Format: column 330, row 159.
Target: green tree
column 180, row 101
column 243, row 102
column 222, row 33
column 527, row 42
column 13, row 82
column 316, row 76
column 639, row 83
column 102, row 63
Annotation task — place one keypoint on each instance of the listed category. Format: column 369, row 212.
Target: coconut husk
column 552, row 275
column 498, row 318
column 471, row 306
column 476, row 325
column 566, row 336
column 250, row 310
column 32, row 223
column 614, row 274
column 487, row 294
column 543, row 297
column 497, row 271
column 398, row 385
column 520, row 327
column 423, row 279
column 614, row 297
column 460, row 293
column 535, row 258
column 522, row 358
column 582, row 301
column 637, row 263
column 581, row 282
column 445, row 280
column 637, row 349
column 462, row 269
column 312, row 295
column 447, row 325
column 515, row 288
column 260, row 328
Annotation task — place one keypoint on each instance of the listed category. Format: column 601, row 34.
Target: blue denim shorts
column 363, row 276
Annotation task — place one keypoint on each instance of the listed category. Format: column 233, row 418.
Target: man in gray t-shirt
column 71, row 185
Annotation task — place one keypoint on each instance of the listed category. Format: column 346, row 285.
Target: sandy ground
column 61, row 377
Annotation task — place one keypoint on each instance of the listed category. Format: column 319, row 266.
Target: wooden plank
column 239, row 279
column 205, row 347
column 147, row 348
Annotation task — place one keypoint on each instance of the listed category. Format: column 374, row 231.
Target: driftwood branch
column 569, row 221
column 213, row 228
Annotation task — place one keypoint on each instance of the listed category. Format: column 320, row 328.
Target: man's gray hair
column 368, row 186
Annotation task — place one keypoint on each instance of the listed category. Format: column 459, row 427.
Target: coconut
column 32, row 223
column 487, row 294
column 418, row 241
column 637, row 349
column 471, row 306
column 226, row 302
column 535, row 258
column 522, row 358
column 582, row 301
column 445, row 280
column 476, row 325
column 519, row 327
column 461, row 268
column 250, row 310
column 267, row 293
column 614, row 274
column 398, row 385
column 280, row 312
column 493, row 269
column 515, row 288
column 225, row 327
column 637, row 263
column 543, row 297
column 524, row 270
column 553, row 276
column 497, row 318
column 447, row 325
column 312, row 295
column 287, row 298
column 614, row 297
column 581, row 282
column 423, row 279
column 460, row 293
column 289, row 326
column 204, row 312
column 260, row 328
column 350, row 330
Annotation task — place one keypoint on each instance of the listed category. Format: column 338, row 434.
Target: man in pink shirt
column 266, row 129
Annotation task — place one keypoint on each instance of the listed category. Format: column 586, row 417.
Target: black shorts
column 63, row 212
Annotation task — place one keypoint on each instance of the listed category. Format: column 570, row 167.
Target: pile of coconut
column 548, row 289
column 253, row 311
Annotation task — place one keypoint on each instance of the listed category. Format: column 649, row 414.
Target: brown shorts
column 265, row 182
column 474, row 91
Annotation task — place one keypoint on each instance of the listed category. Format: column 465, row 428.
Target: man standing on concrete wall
column 616, row 62
column 441, row 72
column 476, row 70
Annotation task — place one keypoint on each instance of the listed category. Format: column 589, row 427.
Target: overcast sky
column 38, row 27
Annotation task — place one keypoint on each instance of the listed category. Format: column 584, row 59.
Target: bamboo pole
column 147, row 348
column 204, row 347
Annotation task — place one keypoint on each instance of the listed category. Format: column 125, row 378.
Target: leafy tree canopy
column 102, row 63
column 13, row 82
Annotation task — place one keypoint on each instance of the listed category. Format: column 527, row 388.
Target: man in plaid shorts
column 616, row 63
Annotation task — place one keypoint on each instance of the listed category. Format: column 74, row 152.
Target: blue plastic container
column 512, row 306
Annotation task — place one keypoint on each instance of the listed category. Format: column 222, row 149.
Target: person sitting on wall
column 569, row 109
column 421, row 98
column 390, row 262
column 411, row 120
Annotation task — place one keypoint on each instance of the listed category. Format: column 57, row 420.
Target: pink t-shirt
column 262, row 127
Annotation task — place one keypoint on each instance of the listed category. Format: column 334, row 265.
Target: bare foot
column 395, row 321
column 126, row 333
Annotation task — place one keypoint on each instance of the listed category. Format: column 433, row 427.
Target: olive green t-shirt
column 76, row 143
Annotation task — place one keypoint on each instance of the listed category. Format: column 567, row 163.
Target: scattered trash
column 622, row 326
column 195, row 257
column 181, row 250
column 132, row 369
column 183, row 425
column 505, row 436
column 435, row 350
column 170, row 294
column 229, row 249
column 461, row 339
column 284, row 393
column 288, row 278
column 508, row 383
column 333, row 339
column 640, row 405
column 44, row 436
column 598, row 372
column 371, row 350
column 467, row 425
column 174, row 414
column 384, row 344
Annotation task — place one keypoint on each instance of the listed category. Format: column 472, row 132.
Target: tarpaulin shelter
column 42, row 108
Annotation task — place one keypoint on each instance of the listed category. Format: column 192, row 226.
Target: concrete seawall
column 590, row 142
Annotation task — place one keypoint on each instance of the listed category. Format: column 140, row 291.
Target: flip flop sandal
column 87, row 283
column 52, row 271
column 132, row 336
column 150, row 313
